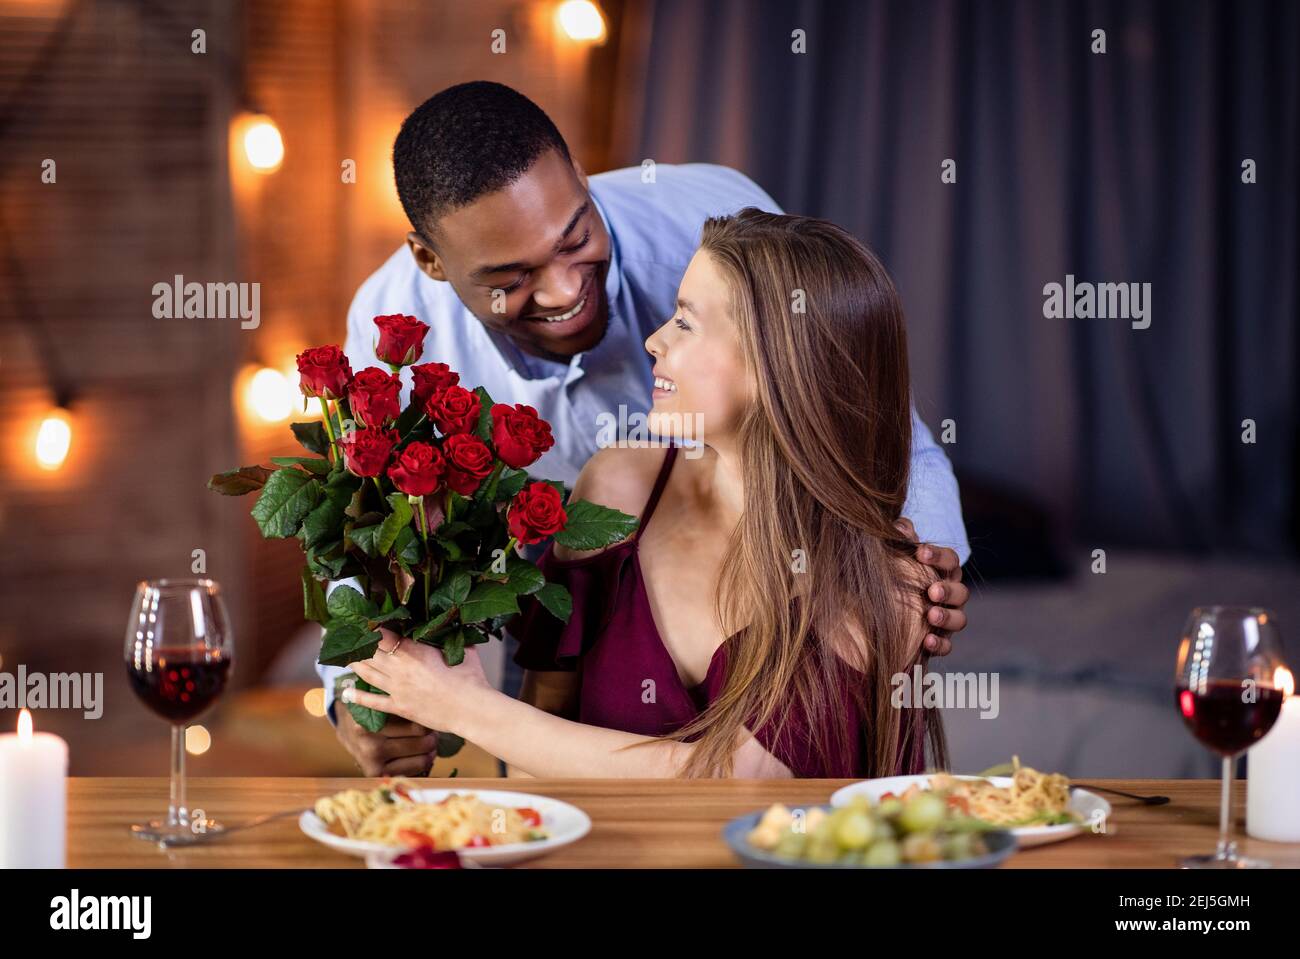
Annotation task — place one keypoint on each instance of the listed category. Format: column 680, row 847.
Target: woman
column 752, row 629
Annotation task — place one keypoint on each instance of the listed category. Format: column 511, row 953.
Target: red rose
column 431, row 378
column 401, row 339
column 455, row 410
column 519, row 435
column 536, row 512
column 323, row 371
column 365, row 452
column 469, row 461
column 418, row 469
column 374, row 396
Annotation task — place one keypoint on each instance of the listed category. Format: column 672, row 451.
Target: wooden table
column 639, row 823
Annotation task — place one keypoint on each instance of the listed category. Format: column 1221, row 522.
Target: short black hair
column 466, row 141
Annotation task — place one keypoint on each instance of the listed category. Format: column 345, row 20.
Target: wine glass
column 179, row 651
column 1226, row 695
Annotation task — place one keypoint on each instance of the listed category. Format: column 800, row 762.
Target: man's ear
column 577, row 168
column 426, row 257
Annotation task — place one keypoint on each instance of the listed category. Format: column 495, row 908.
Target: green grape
column 958, row 845
column 822, row 849
column 922, row 813
column 921, row 847
column 889, row 808
column 855, row 830
column 791, row 844
column 882, row 852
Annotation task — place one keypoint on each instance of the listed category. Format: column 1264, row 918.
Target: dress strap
column 660, row 482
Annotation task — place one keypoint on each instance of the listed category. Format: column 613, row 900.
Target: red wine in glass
column 181, row 682
column 1225, row 693
column 179, row 652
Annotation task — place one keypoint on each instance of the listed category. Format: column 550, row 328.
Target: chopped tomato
column 401, row 791
column 531, row 816
column 477, row 842
column 888, row 795
column 415, row 838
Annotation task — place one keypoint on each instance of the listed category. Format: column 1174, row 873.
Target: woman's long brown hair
column 825, row 454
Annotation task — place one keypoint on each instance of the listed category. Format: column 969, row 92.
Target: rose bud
column 469, row 461
column 519, row 435
column 455, row 410
column 418, row 469
column 431, row 378
column 374, row 397
column 536, row 513
column 365, row 452
column 401, row 339
column 323, row 371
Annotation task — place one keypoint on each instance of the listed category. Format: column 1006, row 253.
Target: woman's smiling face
column 700, row 371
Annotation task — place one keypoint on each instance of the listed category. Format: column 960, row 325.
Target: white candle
column 1273, row 773
column 33, row 798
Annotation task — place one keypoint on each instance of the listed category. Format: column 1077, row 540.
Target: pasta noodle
column 389, row 815
column 1032, row 797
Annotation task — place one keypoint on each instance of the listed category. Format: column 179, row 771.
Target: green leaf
column 286, row 499
column 407, row 548
column 452, row 590
column 523, row 577
column 371, row 720
column 451, row 548
column 591, row 526
column 488, row 599
column 311, row 463
column 322, row 564
column 483, row 429
column 449, row 744
column 512, row 481
column 453, row 648
column 432, row 626
column 363, row 537
column 393, row 523
column 325, row 522
column 347, row 641
column 401, row 612
column 313, row 598
column 557, row 601
column 312, row 436
column 239, row 482
column 347, row 604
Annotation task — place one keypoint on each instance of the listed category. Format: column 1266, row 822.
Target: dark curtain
column 1117, row 167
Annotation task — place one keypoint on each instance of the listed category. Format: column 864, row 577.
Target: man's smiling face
column 537, row 250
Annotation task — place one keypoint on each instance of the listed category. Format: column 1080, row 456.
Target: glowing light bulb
column 197, row 740
column 53, row 440
column 270, row 394
column 581, row 21
column 263, row 144
column 314, row 701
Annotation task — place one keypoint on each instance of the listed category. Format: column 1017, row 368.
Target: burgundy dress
column 613, row 631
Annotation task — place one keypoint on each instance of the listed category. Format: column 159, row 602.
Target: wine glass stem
column 1225, row 850
column 177, row 814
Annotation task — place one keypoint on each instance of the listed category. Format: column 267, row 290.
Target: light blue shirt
column 654, row 229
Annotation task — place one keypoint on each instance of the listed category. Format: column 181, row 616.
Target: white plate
column 565, row 823
column 1088, row 805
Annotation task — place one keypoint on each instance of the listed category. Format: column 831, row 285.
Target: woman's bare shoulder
column 620, row 477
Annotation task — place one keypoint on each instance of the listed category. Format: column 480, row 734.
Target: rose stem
column 329, row 430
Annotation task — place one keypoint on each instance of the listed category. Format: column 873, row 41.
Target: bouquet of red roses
column 423, row 507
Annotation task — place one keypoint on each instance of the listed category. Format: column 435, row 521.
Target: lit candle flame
column 1283, row 680
column 25, row 727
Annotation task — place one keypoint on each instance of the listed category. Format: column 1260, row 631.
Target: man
column 541, row 285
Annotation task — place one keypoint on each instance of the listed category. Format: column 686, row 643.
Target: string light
column 263, row 145
column 53, row 439
column 581, row 21
column 197, row 740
